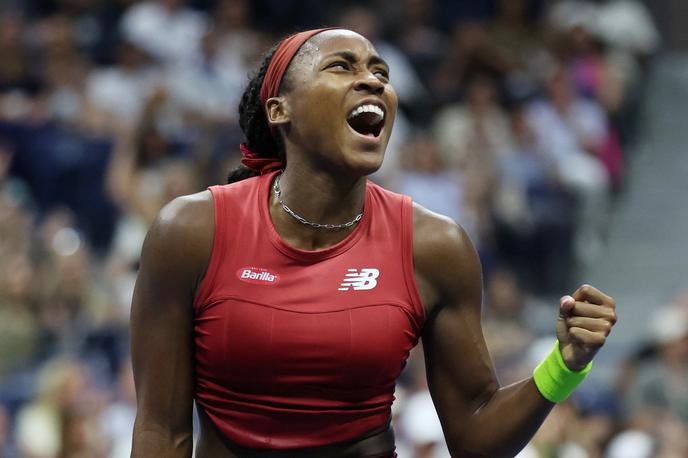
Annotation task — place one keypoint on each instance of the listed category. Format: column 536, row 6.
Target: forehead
column 337, row 40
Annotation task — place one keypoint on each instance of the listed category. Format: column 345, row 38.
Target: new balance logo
column 365, row 279
column 257, row 275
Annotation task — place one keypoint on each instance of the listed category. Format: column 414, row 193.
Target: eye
column 340, row 65
column 381, row 73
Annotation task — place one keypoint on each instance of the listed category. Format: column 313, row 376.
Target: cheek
column 321, row 117
column 392, row 104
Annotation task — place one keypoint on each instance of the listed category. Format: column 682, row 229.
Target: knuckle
column 613, row 319
column 607, row 327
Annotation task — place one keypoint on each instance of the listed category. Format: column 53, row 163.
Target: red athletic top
column 300, row 348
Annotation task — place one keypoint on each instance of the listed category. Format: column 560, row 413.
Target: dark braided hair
column 254, row 124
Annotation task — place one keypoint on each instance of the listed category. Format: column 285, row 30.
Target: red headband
column 281, row 59
column 272, row 81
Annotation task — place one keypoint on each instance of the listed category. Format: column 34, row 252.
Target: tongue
column 366, row 123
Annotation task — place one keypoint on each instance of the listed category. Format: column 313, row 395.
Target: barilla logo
column 257, row 275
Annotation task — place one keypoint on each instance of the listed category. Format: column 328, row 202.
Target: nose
column 369, row 83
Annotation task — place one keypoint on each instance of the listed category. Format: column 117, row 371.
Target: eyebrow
column 353, row 58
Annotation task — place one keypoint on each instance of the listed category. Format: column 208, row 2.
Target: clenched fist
column 585, row 320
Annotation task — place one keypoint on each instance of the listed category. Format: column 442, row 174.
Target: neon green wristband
column 554, row 380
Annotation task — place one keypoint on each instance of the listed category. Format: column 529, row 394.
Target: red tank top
column 300, row 348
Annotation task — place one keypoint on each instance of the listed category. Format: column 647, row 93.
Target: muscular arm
column 173, row 260
column 479, row 418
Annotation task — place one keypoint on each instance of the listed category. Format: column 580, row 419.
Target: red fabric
column 281, row 59
column 262, row 165
column 285, row 356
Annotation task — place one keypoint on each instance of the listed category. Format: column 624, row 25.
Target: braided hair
column 254, row 124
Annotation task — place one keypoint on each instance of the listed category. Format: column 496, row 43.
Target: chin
column 365, row 162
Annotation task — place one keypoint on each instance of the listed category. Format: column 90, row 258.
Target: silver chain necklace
column 302, row 220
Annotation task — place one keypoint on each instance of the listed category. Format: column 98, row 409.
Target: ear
column 277, row 110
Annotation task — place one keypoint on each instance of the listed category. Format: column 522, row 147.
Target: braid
column 254, row 124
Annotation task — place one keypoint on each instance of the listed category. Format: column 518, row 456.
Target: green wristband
column 554, row 380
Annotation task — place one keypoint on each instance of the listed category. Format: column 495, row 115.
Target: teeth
column 367, row 109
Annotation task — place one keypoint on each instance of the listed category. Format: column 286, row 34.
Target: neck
column 319, row 197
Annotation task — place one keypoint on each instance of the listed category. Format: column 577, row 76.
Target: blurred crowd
column 517, row 119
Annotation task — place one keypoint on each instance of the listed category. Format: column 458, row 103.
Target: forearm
column 504, row 424
column 160, row 442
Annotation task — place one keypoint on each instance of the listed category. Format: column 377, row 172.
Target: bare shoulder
column 434, row 232
column 181, row 237
column 444, row 256
column 185, row 215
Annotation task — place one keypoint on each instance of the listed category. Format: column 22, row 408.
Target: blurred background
column 553, row 131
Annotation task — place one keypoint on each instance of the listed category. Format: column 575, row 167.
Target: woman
column 286, row 304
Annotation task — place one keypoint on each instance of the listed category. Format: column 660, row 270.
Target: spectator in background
column 15, row 72
column 533, row 215
column 117, row 420
column 59, row 422
column 571, row 131
column 20, row 334
column 433, row 185
column 239, row 41
column 470, row 136
column 469, row 51
column 121, row 90
column 659, row 384
column 420, row 38
column 207, row 89
column 167, row 29
column 507, row 328
column 512, row 34
column 63, row 69
column 5, row 448
column 421, row 427
column 624, row 24
column 630, row 39
column 592, row 74
column 135, row 178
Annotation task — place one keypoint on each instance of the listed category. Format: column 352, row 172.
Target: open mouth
column 367, row 120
